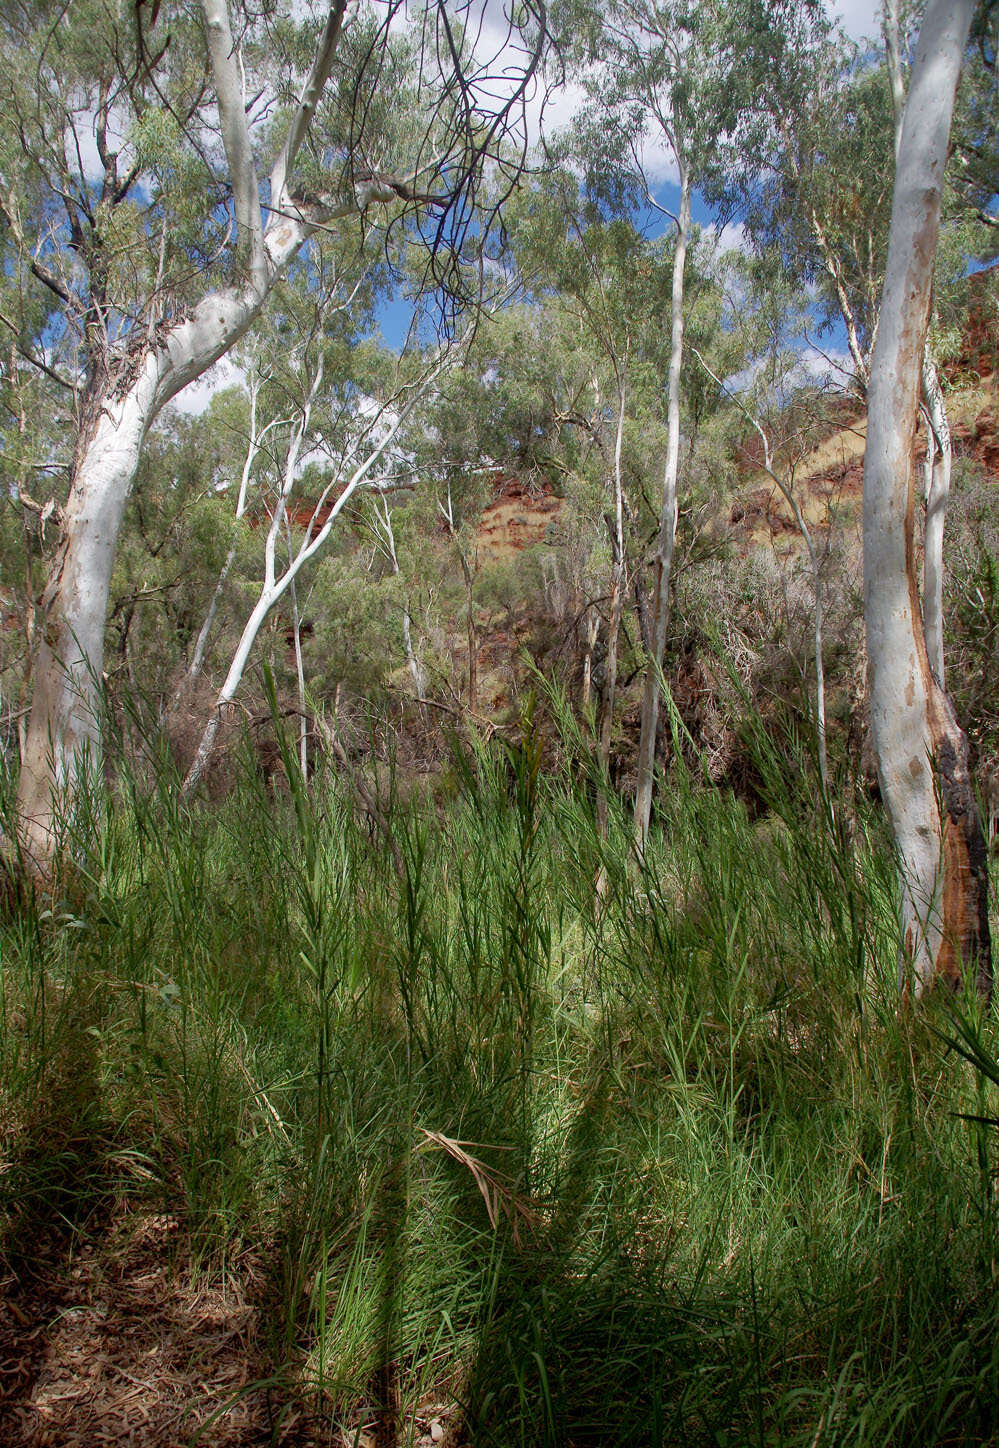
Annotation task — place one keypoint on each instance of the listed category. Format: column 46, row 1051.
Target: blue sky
column 859, row 18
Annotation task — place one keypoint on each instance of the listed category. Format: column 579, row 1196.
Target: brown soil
column 111, row 1337
column 832, row 477
column 517, row 518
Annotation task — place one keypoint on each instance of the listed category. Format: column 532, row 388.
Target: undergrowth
column 658, row 1164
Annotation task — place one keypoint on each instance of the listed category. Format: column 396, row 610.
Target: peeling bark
column 920, row 749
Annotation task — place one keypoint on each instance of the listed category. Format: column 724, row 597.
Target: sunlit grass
column 665, row 1165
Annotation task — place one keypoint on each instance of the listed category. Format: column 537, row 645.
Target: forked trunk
column 63, row 733
column 921, row 751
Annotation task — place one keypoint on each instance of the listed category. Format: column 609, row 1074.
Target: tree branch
column 29, row 356
column 236, row 139
column 336, row 22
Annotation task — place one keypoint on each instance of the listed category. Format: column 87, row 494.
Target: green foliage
column 971, row 613
column 663, row 1167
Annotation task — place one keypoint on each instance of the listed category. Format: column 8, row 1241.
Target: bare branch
column 31, row 357
column 236, row 139
column 786, row 490
column 336, row 22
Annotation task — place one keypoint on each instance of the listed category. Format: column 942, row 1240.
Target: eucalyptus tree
column 667, row 79
column 825, row 201
column 939, row 451
column 613, row 284
column 921, row 750
column 160, row 167
column 649, row 91
column 300, row 510
column 318, row 316
column 824, row 195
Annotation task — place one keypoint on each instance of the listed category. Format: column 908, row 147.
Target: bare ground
column 116, row 1340
column 110, row 1337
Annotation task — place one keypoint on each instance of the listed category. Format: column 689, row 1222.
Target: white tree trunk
column 938, row 444
column 616, row 609
column 893, row 56
column 253, row 448
column 63, row 732
column 63, row 735
column 920, row 749
column 225, row 696
column 64, row 729
column 937, row 495
column 667, row 530
column 274, row 585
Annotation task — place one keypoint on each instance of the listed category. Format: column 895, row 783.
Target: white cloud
column 196, row 396
column 732, row 237
column 859, row 18
column 658, row 161
column 825, row 365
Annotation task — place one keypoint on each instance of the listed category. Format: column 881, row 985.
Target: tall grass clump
column 659, row 1163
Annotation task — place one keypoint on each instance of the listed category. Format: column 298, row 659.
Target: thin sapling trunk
column 663, row 563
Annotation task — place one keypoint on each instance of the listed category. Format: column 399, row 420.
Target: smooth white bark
column 893, row 57
column 938, row 443
column 63, row 735
column 275, row 585
column 667, row 527
column 63, row 732
column 938, row 475
column 254, row 446
column 944, row 921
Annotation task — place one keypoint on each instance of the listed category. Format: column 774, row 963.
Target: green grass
column 661, row 1167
